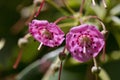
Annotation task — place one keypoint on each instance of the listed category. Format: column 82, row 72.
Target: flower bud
column 62, row 56
column 96, row 70
column 22, row 41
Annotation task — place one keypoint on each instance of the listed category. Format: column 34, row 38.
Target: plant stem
column 62, row 18
column 96, row 76
column 60, row 71
column 39, row 10
column 103, row 55
column 18, row 59
column 68, row 7
column 81, row 7
column 96, row 65
column 95, row 62
column 57, row 7
column 95, row 17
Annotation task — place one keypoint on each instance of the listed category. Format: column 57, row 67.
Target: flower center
column 84, row 41
column 46, row 34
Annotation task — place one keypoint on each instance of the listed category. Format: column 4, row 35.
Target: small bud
column 22, row 41
column 25, row 12
column 96, row 70
column 62, row 56
column 2, row 43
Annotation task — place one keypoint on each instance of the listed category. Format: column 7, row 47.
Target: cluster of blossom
column 83, row 42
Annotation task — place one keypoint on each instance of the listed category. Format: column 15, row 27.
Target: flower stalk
column 95, row 17
column 81, row 7
column 68, row 7
column 57, row 7
column 95, row 69
column 18, row 59
column 63, row 18
column 39, row 10
column 60, row 70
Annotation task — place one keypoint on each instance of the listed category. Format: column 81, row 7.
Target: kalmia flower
column 84, row 42
column 49, row 34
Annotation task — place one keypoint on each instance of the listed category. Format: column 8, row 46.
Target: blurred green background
column 14, row 14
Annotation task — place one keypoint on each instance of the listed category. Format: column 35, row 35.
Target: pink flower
column 48, row 34
column 84, row 42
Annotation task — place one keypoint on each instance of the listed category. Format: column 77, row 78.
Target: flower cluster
column 83, row 42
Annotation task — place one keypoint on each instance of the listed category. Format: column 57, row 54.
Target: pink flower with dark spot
column 49, row 34
column 84, row 42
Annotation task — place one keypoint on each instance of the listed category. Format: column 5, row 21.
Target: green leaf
column 104, row 75
column 33, row 70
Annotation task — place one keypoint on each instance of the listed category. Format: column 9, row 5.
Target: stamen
column 47, row 34
column 40, row 46
column 84, row 47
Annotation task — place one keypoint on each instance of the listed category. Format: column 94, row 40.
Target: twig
column 18, row 59
column 62, row 18
column 57, row 7
column 60, row 71
column 68, row 7
column 95, row 17
column 81, row 7
column 39, row 10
